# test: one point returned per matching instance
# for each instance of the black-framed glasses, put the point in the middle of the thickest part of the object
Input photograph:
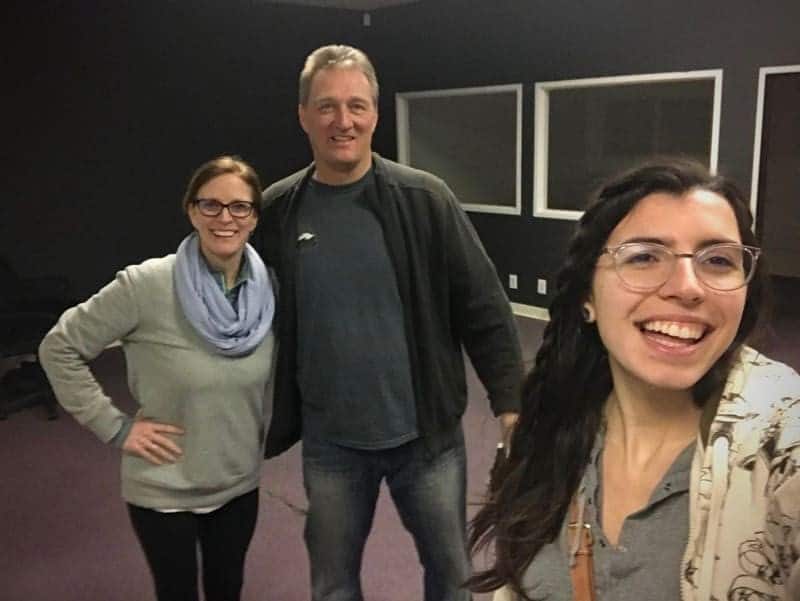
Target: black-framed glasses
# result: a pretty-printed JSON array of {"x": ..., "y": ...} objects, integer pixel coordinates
[
  {"x": 646, "y": 266},
  {"x": 211, "y": 207}
]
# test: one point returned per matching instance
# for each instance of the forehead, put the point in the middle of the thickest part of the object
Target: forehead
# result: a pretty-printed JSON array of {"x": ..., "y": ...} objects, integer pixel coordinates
[
  {"x": 340, "y": 83},
  {"x": 225, "y": 185},
  {"x": 688, "y": 219}
]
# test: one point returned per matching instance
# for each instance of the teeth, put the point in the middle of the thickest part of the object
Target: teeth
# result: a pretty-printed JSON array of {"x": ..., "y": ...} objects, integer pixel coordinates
[
  {"x": 676, "y": 330},
  {"x": 224, "y": 233}
]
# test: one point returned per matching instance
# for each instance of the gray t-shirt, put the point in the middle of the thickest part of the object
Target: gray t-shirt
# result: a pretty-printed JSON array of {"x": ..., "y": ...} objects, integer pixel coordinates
[
  {"x": 646, "y": 563},
  {"x": 354, "y": 372}
]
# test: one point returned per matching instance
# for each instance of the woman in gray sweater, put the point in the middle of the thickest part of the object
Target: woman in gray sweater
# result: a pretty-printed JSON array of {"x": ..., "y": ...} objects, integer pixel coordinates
[{"x": 196, "y": 329}]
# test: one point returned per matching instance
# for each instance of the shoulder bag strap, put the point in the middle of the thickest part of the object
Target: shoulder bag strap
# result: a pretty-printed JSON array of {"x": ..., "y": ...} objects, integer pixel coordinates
[{"x": 582, "y": 570}]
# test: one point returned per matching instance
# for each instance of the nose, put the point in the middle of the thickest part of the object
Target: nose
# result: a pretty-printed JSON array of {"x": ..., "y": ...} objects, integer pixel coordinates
[
  {"x": 342, "y": 118},
  {"x": 225, "y": 215},
  {"x": 683, "y": 284}
]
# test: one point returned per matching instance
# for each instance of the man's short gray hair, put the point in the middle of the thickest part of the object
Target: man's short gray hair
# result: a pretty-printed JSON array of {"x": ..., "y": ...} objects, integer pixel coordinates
[{"x": 336, "y": 56}]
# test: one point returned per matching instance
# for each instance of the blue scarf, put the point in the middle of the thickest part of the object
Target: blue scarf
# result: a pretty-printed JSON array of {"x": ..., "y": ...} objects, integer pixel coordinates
[{"x": 233, "y": 332}]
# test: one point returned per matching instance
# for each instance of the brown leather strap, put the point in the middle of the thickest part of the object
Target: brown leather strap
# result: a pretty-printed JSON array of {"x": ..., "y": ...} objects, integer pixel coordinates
[{"x": 582, "y": 572}]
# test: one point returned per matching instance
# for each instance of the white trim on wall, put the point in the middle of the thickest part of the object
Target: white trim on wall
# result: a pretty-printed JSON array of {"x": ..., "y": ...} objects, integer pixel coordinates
[
  {"x": 403, "y": 142},
  {"x": 763, "y": 72},
  {"x": 531, "y": 311},
  {"x": 542, "y": 125}
]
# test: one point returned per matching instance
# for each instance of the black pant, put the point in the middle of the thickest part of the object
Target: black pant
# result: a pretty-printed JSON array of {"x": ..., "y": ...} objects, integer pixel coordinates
[{"x": 170, "y": 544}]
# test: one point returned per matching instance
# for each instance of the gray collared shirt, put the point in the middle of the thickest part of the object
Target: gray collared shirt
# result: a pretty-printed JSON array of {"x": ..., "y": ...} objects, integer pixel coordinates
[{"x": 646, "y": 562}]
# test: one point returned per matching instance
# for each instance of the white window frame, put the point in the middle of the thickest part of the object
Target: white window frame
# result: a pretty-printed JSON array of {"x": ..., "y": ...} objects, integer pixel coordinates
[
  {"x": 542, "y": 126},
  {"x": 758, "y": 135},
  {"x": 404, "y": 144}
]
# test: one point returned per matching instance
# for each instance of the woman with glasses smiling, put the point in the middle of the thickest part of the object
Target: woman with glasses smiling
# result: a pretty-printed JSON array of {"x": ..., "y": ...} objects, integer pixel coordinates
[
  {"x": 196, "y": 329},
  {"x": 656, "y": 456}
]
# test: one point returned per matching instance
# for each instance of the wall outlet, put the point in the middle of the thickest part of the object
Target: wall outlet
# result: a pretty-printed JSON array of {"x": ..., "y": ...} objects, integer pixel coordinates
[
  {"x": 512, "y": 281},
  {"x": 541, "y": 286}
]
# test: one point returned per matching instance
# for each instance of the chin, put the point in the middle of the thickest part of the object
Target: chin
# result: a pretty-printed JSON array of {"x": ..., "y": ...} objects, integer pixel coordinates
[
  {"x": 676, "y": 378},
  {"x": 674, "y": 384},
  {"x": 659, "y": 376},
  {"x": 225, "y": 250},
  {"x": 344, "y": 165}
]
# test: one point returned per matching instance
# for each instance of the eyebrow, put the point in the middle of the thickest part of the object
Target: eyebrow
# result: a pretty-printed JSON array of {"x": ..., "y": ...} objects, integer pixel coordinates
[
  {"x": 336, "y": 100},
  {"x": 669, "y": 242},
  {"x": 199, "y": 198}
]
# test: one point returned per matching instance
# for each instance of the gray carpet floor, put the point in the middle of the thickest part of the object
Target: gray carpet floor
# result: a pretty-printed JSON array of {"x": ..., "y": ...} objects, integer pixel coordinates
[
  {"x": 65, "y": 535},
  {"x": 64, "y": 532}
]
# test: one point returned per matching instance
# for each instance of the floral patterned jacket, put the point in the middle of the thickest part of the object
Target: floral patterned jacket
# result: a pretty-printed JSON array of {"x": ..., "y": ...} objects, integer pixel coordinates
[{"x": 744, "y": 530}]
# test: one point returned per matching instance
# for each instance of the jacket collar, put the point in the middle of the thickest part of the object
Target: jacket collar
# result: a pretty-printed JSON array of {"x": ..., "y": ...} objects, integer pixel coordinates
[{"x": 378, "y": 165}]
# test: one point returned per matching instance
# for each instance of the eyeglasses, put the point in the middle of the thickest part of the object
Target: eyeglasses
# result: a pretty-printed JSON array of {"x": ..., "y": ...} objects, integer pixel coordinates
[
  {"x": 646, "y": 266},
  {"x": 211, "y": 207}
]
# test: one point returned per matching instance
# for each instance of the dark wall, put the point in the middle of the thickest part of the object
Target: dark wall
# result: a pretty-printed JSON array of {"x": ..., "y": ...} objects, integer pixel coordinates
[
  {"x": 110, "y": 106},
  {"x": 482, "y": 43}
]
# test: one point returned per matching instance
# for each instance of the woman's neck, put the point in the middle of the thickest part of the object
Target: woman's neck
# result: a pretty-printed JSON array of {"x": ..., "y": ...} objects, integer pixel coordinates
[
  {"x": 228, "y": 266},
  {"x": 644, "y": 435},
  {"x": 644, "y": 422}
]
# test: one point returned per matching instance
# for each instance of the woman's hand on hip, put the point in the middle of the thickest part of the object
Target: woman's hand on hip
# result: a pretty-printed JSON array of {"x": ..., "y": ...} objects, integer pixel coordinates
[{"x": 151, "y": 441}]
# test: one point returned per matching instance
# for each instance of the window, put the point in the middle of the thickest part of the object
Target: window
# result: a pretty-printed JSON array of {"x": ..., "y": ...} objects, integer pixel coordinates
[
  {"x": 471, "y": 138},
  {"x": 764, "y": 73},
  {"x": 589, "y": 129}
]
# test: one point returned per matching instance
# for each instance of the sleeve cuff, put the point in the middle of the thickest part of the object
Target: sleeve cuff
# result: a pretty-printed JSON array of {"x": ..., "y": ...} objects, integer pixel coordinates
[{"x": 121, "y": 436}]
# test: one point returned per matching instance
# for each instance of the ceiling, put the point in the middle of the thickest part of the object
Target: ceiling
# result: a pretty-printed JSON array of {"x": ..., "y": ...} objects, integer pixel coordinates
[{"x": 366, "y": 5}]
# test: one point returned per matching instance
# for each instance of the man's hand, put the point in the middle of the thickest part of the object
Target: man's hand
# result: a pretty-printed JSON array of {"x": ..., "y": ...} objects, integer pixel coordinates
[
  {"x": 507, "y": 422},
  {"x": 149, "y": 440}
]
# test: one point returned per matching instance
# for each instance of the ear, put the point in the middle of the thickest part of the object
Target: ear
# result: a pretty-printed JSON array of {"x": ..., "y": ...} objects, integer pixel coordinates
[
  {"x": 253, "y": 219},
  {"x": 589, "y": 314},
  {"x": 301, "y": 115},
  {"x": 193, "y": 215}
]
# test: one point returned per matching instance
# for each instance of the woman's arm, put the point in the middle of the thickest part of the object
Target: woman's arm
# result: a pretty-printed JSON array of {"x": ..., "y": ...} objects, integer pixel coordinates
[{"x": 80, "y": 335}]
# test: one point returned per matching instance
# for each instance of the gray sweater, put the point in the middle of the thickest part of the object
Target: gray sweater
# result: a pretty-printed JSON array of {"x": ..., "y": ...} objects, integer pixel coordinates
[{"x": 176, "y": 378}]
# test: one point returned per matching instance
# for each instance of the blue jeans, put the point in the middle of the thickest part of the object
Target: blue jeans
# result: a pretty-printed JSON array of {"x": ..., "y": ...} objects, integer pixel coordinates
[{"x": 342, "y": 486}]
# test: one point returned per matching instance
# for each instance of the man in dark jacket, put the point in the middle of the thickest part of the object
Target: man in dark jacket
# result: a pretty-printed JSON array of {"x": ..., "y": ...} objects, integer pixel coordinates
[{"x": 382, "y": 281}]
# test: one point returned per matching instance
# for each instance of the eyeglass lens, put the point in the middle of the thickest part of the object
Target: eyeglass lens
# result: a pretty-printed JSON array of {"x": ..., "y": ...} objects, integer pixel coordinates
[
  {"x": 211, "y": 207},
  {"x": 719, "y": 266}
]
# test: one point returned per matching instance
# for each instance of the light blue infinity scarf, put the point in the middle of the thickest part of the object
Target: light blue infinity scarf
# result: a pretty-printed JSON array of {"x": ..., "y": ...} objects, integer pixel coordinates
[{"x": 232, "y": 332}]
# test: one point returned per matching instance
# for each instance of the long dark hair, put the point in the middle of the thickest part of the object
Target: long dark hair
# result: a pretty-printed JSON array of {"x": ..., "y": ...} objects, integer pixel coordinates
[{"x": 564, "y": 393}]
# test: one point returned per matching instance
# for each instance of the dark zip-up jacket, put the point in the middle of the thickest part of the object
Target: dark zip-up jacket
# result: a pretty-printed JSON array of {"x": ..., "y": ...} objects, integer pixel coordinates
[{"x": 449, "y": 290}]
